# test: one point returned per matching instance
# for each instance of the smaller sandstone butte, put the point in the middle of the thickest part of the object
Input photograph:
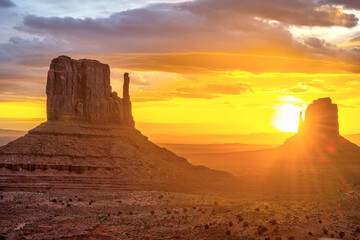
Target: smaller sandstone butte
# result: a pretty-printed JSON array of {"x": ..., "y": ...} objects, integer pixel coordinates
[
  {"x": 80, "y": 90},
  {"x": 321, "y": 118},
  {"x": 318, "y": 135}
]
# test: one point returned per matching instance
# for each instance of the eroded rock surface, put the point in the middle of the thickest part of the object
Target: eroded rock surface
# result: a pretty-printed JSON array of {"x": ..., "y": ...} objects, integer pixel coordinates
[{"x": 80, "y": 90}]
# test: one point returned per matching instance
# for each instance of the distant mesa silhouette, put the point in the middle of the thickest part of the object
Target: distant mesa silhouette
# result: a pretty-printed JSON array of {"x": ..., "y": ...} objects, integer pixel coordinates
[
  {"x": 90, "y": 141},
  {"x": 321, "y": 119},
  {"x": 318, "y": 135}
]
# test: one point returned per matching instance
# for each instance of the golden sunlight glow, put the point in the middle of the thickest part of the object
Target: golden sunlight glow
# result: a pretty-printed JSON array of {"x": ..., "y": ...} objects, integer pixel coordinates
[
  {"x": 31, "y": 109},
  {"x": 286, "y": 119}
]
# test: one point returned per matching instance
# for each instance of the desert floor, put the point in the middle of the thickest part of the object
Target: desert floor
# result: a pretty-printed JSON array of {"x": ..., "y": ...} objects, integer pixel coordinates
[{"x": 170, "y": 215}]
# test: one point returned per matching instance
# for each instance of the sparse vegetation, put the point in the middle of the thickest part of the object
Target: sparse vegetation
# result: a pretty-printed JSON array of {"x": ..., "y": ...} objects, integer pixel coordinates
[
  {"x": 273, "y": 222},
  {"x": 261, "y": 229}
]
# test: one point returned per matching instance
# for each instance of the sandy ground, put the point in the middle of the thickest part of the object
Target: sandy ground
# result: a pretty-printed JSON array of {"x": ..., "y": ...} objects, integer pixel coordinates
[{"x": 169, "y": 215}]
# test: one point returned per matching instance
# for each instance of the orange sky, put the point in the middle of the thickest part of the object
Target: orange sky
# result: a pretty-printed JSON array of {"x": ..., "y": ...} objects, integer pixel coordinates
[{"x": 196, "y": 67}]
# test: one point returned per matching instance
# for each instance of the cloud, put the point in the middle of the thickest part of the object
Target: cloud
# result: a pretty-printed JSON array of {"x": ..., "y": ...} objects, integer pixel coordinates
[
  {"x": 285, "y": 11},
  {"x": 207, "y": 63},
  {"x": 196, "y": 26},
  {"x": 210, "y": 91},
  {"x": 355, "y": 39},
  {"x": 305, "y": 87},
  {"x": 7, "y": 4},
  {"x": 256, "y": 28},
  {"x": 156, "y": 30},
  {"x": 351, "y": 4},
  {"x": 34, "y": 52},
  {"x": 194, "y": 89},
  {"x": 353, "y": 83}
]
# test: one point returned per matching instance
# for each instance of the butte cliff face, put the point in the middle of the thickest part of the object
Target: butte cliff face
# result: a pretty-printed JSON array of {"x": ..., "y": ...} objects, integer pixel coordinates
[
  {"x": 80, "y": 90},
  {"x": 90, "y": 142}
]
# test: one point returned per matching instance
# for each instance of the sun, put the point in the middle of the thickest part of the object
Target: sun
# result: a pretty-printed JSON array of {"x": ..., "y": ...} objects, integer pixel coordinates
[{"x": 286, "y": 118}]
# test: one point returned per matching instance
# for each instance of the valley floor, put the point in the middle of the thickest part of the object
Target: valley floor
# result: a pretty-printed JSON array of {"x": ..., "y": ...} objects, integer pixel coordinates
[{"x": 169, "y": 215}]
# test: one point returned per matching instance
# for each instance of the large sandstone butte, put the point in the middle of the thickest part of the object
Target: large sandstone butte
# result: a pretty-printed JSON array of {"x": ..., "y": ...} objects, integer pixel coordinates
[
  {"x": 80, "y": 90},
  {"x": 90, "y": 142}
]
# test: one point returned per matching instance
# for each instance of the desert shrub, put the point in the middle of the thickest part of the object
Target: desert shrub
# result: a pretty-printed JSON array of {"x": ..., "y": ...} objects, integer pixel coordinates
[
  {"x": 261, "y": 229},
  {"x": 273, "y": 222}
]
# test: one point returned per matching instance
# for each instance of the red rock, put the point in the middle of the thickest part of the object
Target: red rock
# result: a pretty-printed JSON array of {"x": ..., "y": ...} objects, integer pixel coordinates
[{"x": 80, "y": 90}]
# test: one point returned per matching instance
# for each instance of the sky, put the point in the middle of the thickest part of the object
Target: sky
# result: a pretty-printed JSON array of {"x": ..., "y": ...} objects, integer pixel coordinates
[{"x": 196, "y": 67}]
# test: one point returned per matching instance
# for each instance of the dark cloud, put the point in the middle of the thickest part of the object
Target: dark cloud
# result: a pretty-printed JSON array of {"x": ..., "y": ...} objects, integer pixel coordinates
[
  {"x": 33, "y": 52},
  {"x": 254, "y": 27},
  {"x": 201, "y": 25},
  {"x": 157, "y": 30},
  {"x": 294, "y": 12},
  {"x": 6, "y": 4}
]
